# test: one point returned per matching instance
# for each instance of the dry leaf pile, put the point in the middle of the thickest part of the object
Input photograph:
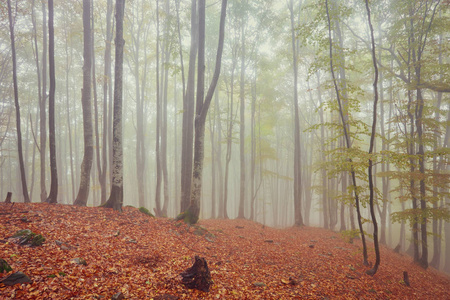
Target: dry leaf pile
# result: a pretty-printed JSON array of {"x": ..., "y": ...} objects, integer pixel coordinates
[{"x": 95, "y": 253}]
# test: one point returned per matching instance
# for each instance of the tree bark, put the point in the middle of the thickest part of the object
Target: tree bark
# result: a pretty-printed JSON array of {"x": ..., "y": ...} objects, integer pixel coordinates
[
  {"x": 26, "y": 197},
  {"x": 203, "y": 106},
  {"x": 188, "y": 116},
  {"x": 241, "y": 212},
  {"x": 298, "y": 220},
  {"x": 115, "y": 200},
  {"x": 43, "y": 106},
  {"x": 83, "y": 192},
  {"x": 106, "y": 90},
  {"x": 347, "y": 140},
  {"x": 371, "y": 146},
  {"x": 53, "y": 196}
]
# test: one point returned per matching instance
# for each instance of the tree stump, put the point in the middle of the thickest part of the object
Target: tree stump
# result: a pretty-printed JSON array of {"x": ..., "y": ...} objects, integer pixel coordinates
[
  {"x": 198, "y": 276},
  {"x": 8, "y": 197},
  {"x": 406, "y": 278}
]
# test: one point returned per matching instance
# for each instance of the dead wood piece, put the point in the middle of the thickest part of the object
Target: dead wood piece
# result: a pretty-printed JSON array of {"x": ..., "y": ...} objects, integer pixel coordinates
[
  {"x": 406, "y": 278},
  {"x": 198, "y": 276},
  {"x": 118, "y": 296},
  {"x": 15, "y": 278},
  {"x": 4, "y": 266},
  {"x": 8, "y": 197}
]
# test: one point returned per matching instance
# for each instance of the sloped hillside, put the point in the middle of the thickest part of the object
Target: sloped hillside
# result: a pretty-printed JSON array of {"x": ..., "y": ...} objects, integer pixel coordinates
[{"x": 96, "y": 253}]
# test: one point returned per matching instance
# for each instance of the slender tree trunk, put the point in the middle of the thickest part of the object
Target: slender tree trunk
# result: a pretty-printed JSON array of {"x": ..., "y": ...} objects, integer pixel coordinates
[
  {"x": 213, "y": 164},
  {"x": 297, "y": 151},
  {"x": 158, "y": 211},
  {"x": 437, "y": 228},
  {"x": 218, "y": 156},
  {"x": 106, "y": 90},
  {"x": 38, "y": 73},
  {"x": 371, "y": 146},
  {"x": 83, "y": 192},
  {"x": 115, "y": 200},
  {"x": 98, "y": 146},
  {"x": 26, "y": 197},
  {"x": 53, "y": 196},
  {"x": 347, "y": 139},
  {"x": 68, "y": 119},
  {"x": 43, "y": 105},
  {"x": 253, "y": 152},
  {"x": 203, "y": 106},
  {"x": 188, "y": 116},
  {"x": 164, "y": 170},
  {"x": 241, "y": 213}
]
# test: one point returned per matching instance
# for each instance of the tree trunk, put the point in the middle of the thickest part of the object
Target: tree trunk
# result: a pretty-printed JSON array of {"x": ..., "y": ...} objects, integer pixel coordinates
[
  {"x": 347, "y": 139},
  {"x": 53, "y": 196},
  {"x": 297, "y": 151},
  {"x": 83, "y": 192},
  {"x": 253, "y": 152},
  {"x": 166, "y": 47},
  {"x": 26, "y": 197},
  {"x": 98, "y": 146},
  {"x": 188, "y": 116},
  {"x": 106, "y": 90},
  {"x": 241, "y": 213},
  {"x": 371, "y": 146},
  {"x": 158, "y": 210},
  {"x": 115, "y": 200},
  {"x": 38, "y": 73},
  {"x": 203, "y": 106},
  {"x": 43, "y": 105}
]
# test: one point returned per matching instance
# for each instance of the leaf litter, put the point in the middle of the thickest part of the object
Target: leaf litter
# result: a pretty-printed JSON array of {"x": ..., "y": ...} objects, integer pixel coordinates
[{"x": 142, "y": 258}]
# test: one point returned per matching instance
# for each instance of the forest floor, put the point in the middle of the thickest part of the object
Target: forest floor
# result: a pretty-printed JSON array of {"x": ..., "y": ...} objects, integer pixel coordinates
[{"x": 142, "y": 258}]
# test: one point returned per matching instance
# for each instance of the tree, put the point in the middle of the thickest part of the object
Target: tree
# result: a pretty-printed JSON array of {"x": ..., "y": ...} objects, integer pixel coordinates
[
  {"x": 86, "y": 165},
  {"x": 188, "y": 116},
  {"x": 297, "y": 152},
  {"x": 202, "y": 107},
  {"x": 53, "y": 195},
  {"x": 42, "y": 106},
  {"x": 158, "y": 210},
  {"x": 372, "y": 141},
  {"x": 107, "y": 90},
  {"x": 115, "y": 200},
  {"x": 347, "y": 138},
  {"x": 241, "y": 213},
  {"x": 16, "y": 102}
]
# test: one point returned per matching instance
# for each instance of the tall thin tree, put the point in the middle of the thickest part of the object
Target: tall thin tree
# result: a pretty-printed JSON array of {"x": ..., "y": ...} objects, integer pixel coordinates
[
  {"x": 53, "y": 196},
  {"x": 26, "y": 197},
  {"x": 203, "y": 106},
  {"x": 43, "y": 105},
  {"x": 371, "y": 146},
  {"x": 115, "y": 200},
  {"x": 187, "y": 136},
  {"x": 346, "y": 136},
  {"x": 86, "y": 165},
  {"x": 297, "y": 150}
]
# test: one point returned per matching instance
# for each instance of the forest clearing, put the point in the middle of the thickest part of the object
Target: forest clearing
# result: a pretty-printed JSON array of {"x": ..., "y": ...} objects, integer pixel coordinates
[{"x": 142, "y": 258}]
